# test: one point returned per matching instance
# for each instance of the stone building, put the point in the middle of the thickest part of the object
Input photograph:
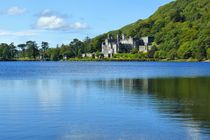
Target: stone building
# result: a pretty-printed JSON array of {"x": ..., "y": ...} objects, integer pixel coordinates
[
  {"x": 113, "y": 46},
  {"x": 89, "y": 55},
  {"x": 146, "y": 44},
  {"x": 110, "y": 47}
]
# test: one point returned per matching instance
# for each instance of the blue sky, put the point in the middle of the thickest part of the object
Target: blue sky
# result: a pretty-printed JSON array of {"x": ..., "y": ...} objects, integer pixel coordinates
[{"x": 59, "y": 21}]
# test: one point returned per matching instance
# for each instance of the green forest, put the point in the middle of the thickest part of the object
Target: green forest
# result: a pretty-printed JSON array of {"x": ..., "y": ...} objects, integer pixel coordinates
[{"x": 181, "y": 30}]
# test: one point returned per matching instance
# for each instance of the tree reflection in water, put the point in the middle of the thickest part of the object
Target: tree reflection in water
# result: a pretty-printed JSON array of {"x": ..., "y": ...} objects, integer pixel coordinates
[{"x": 182, "y": 99}]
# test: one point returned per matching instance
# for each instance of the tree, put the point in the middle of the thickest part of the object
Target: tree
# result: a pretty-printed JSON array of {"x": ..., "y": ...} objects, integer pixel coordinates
[
  {"x": 76, "y": 46},
  {"x": 175, "y": 15},
  {"x": 172, "y": 54},
  {"x": 7, "y": 52},
  {"x": 161, "y": 54},
  {"x": 200, "y": 53},
  {"x": 32, "y": 49},
  {"x": 54, "y": 54},
  {"x": 134, "y": 51},
  {"x": 185, "y": 51},
  {"x": 208, "y": 53},
  {"x": 87, "y": 45},
  {"x": 13, "y": 51},
  {"x": 151, "y": 52},
  {"x": 43, "y": 51},
  {"x": 66, "y": 51},
  {"x": 22, "y": 48}
]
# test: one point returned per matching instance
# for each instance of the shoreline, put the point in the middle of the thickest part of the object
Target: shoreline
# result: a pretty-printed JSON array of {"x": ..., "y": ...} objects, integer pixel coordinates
[{"x": 109, "y": 60}]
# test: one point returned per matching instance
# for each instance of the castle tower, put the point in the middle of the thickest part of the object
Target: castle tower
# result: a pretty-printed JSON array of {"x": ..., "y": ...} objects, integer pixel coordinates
[
  {"x": 118, "y": 39},
  {"x": 108, "y": 36},
  {"x": 123, "y": 37},
  {"x": 118, "y": 42}
]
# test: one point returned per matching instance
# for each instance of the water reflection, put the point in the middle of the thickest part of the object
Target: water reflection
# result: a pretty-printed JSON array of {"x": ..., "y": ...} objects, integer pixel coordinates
[
  {"x": 106, "y": 109},
  {"x": 191, "y": 95},
  {"x": 48, "y": 94},
  {"x": 182, "y": 99}
]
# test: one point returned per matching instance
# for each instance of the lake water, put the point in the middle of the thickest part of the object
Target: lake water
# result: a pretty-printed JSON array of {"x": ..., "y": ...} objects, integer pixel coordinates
[{"x": 104, "y": 100}]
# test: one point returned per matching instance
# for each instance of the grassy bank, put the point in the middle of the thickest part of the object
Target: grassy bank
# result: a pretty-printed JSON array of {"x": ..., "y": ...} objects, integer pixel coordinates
[
  {"x": 142, "y": 60},
  {"x": 115, "y": 59}
]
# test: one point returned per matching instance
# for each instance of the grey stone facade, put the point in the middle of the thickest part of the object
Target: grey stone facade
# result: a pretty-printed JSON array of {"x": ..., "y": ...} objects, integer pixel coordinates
[
  {"x": 110, "y": 47},
  {"x": 113, "y": 46}
]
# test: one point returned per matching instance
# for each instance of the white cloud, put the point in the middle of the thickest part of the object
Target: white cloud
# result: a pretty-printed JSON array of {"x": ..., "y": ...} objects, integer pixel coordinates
[
  {"x": 79, "y": 26},
  {"x": 15, "y": 10},
  {"x": 54, "y": 22},
  {"x": 49, "y": 20},
  {"x": 18, "y": 33}
]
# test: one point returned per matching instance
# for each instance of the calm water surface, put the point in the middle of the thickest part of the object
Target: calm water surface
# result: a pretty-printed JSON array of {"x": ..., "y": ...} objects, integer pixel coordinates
[{"x": 104, "y": 100}]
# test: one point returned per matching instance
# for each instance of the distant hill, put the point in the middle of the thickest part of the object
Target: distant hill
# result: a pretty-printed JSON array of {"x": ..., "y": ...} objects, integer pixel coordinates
[{"x": 181, "y": 30}]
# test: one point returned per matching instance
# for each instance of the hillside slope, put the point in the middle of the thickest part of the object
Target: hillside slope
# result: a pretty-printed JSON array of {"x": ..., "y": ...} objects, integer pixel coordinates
[{"x": 181, "y": 30}]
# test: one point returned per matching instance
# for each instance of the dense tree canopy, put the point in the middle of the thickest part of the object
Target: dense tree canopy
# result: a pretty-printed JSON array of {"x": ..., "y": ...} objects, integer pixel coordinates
[
  {"x": 31, "y": 51},
  {"x": 181, "y": 29},
  {"x": 7, "y": 52}
]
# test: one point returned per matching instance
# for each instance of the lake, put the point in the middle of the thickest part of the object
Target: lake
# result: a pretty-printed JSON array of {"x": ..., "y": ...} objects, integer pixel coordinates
[{"x": 104, "y": 100}]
